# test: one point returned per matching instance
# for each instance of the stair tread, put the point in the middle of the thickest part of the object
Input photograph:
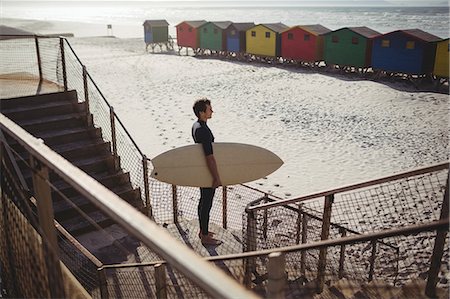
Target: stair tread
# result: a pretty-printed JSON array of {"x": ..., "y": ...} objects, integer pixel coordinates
[
  {"x": 52, "y": 118},
  {"x": 25, "y": 107},
  {"x": 80, "y": 200},
  {"x": 63, "y": 147}
]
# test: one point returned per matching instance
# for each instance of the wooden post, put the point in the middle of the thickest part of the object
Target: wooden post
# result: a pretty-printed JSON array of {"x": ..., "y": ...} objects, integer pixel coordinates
[
  {"x": 38, "y": 54},
  {"x": 42, "y": 193},
  {"x": 224, "y": 207},
  {"x": 103, "y": 282},
  {"x": 113, "y": 130},
  {"x": 265, "y": 221},
  {"x": 160, "y": 280},
  {"x": 299, "y": 224},
  {"x": 304, "y": 239},
  {"x": 341, "y": 272},
  {"x": 276, "y": 271},
  {"x": 63, "y": 62},
  {"x": 175, "y": 203},
  {"x": 438, "y": 250},
  {"x": 372, "y": 260},
  {"x": 148, "y": 205},
  {"x": 86, "y": 96},
  {"x": 326, "y": 221},
  {"x": 250, "y": 263}
]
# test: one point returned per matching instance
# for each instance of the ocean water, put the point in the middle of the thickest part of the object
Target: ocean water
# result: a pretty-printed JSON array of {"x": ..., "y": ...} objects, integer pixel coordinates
[{"x": 126, "y": 17}]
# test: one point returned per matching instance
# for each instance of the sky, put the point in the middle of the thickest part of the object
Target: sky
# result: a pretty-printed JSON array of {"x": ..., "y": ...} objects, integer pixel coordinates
[{"x": 299, "y": 2}]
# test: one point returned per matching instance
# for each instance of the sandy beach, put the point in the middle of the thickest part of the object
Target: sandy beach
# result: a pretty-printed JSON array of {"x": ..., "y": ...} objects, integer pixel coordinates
[{"x": 330, "y": 129}]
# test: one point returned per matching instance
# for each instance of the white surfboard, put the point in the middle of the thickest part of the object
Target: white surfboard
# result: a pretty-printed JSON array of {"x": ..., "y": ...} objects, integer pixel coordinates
[{"x": 237, "y": 163}]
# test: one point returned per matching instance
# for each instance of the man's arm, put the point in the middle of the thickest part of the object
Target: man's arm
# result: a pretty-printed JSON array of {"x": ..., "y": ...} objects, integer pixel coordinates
[{"x": 212, "y": 166}]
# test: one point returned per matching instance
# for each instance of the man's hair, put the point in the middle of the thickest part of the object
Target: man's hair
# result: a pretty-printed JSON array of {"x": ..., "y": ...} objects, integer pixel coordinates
[{"x": 200, "y": 106}]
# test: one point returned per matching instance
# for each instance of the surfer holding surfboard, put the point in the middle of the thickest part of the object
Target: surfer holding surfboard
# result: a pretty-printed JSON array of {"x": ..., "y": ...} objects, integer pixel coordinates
[{"x": 203, "y": 135}]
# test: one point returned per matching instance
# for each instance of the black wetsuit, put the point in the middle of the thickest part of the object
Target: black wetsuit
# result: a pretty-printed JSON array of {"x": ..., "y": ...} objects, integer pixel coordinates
[{"x": 202, "y": 134}]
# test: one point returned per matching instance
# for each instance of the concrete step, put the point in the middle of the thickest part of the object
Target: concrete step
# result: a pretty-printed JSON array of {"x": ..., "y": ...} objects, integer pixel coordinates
[{"x": 343, "y": 289}]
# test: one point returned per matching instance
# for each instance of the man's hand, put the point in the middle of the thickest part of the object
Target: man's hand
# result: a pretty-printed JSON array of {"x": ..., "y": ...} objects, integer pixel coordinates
[{"x": 211, "y": 162}]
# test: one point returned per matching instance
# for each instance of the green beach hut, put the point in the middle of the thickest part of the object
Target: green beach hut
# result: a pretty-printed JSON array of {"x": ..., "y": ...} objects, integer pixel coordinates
[
  {"x": 350, "y": 46},
  {"x": 213, "y": 36}
]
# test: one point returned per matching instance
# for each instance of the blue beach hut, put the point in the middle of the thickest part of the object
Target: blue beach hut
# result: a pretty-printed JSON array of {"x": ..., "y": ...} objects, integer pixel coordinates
[
  {"x": 404, "y": 51},
  {"x": 235, "y": 35}
]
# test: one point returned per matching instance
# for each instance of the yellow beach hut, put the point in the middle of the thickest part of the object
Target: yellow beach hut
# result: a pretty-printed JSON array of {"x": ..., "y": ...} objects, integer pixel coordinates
[
  {"x": 265, "y": 39},
  {"x": 441, "y": 59}
]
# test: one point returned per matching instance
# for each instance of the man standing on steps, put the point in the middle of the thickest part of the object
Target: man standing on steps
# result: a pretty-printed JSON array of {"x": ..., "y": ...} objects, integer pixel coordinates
[{"x": 202, "y": 134}]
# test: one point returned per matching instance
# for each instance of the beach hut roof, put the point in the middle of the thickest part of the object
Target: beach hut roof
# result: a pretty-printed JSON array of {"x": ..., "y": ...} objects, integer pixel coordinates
[
  {"x": 364, "y": 31},
  {"x": 243, "y": 26},
  {"x": 156, "y": 23},
  {"x": 194, "y": 24},
  {"x": 13, "y": 32},
  {"x": 420, "y": 34},
  {"x": 277, "y": 27},
  {"x": 316, "y": 29},
  {"x": 222, "y": 24}
]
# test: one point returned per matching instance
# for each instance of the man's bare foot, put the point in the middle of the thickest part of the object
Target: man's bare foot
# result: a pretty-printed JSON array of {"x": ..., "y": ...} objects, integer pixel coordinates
[
  {"x": 211, "y": 234},
  {"x": 208, "y": 240}
]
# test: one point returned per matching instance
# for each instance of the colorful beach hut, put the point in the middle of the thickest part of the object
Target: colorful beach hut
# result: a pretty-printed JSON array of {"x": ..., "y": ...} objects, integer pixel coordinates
[
  {"x": 236, "y": 36},
  {"x": 303, "y": 43},
  {"x": 441, "y": 59},
  {"x": 187, "y": 34},
  {"x": 213, "y": 36},
  {"x": 265, "y": 39},
  {"x": 156, "y": 31},
  {"x": 349, "y": 46},
  {"x": 405, "y": 51}
]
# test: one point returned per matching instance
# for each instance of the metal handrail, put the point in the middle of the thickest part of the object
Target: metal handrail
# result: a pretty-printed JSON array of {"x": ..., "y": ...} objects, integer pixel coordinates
[
  {"x": 212, "y": 280},
  {"x": 419, "y": 171}
]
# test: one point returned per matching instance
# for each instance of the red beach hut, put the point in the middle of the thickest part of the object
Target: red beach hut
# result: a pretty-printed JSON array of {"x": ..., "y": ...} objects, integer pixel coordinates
[
  {"x": 188, "y": 35},
  {"x": 303, "y": 43}
]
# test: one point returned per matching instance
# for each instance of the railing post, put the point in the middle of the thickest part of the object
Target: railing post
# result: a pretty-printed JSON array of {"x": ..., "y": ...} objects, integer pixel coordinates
[
  {"x": 113, "y": 130},
  {"x": 438, "y": 249},
  {"x": 265, "y": 221},
  {"x": 224, "y": 207},
  {"x": 372, "y": 260},
  {"x": 304, "y": 239},
  {"x": 42, "y": 193},
  {"x": 160, "y": 281},
  {"x": 148, "y": 205},
  {"x": 299, "y": 224},
  {"x": 38, "y": 54},
  {"x": 103, "y": 283},
  {"x": 63, "y": 62},
  {"x": 341, "y": 272},
  {"x": 250, "y": 263},
  {"x": 175, "y": 203},
  {"x": 321, "y": 267},
  {"x": 86, "y": 96},
  {"x": 276, "y": 272}
]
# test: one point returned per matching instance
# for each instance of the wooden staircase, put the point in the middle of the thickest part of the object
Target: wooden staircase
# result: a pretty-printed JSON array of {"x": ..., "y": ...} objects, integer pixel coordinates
[{"x": 65, "y": 126}]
